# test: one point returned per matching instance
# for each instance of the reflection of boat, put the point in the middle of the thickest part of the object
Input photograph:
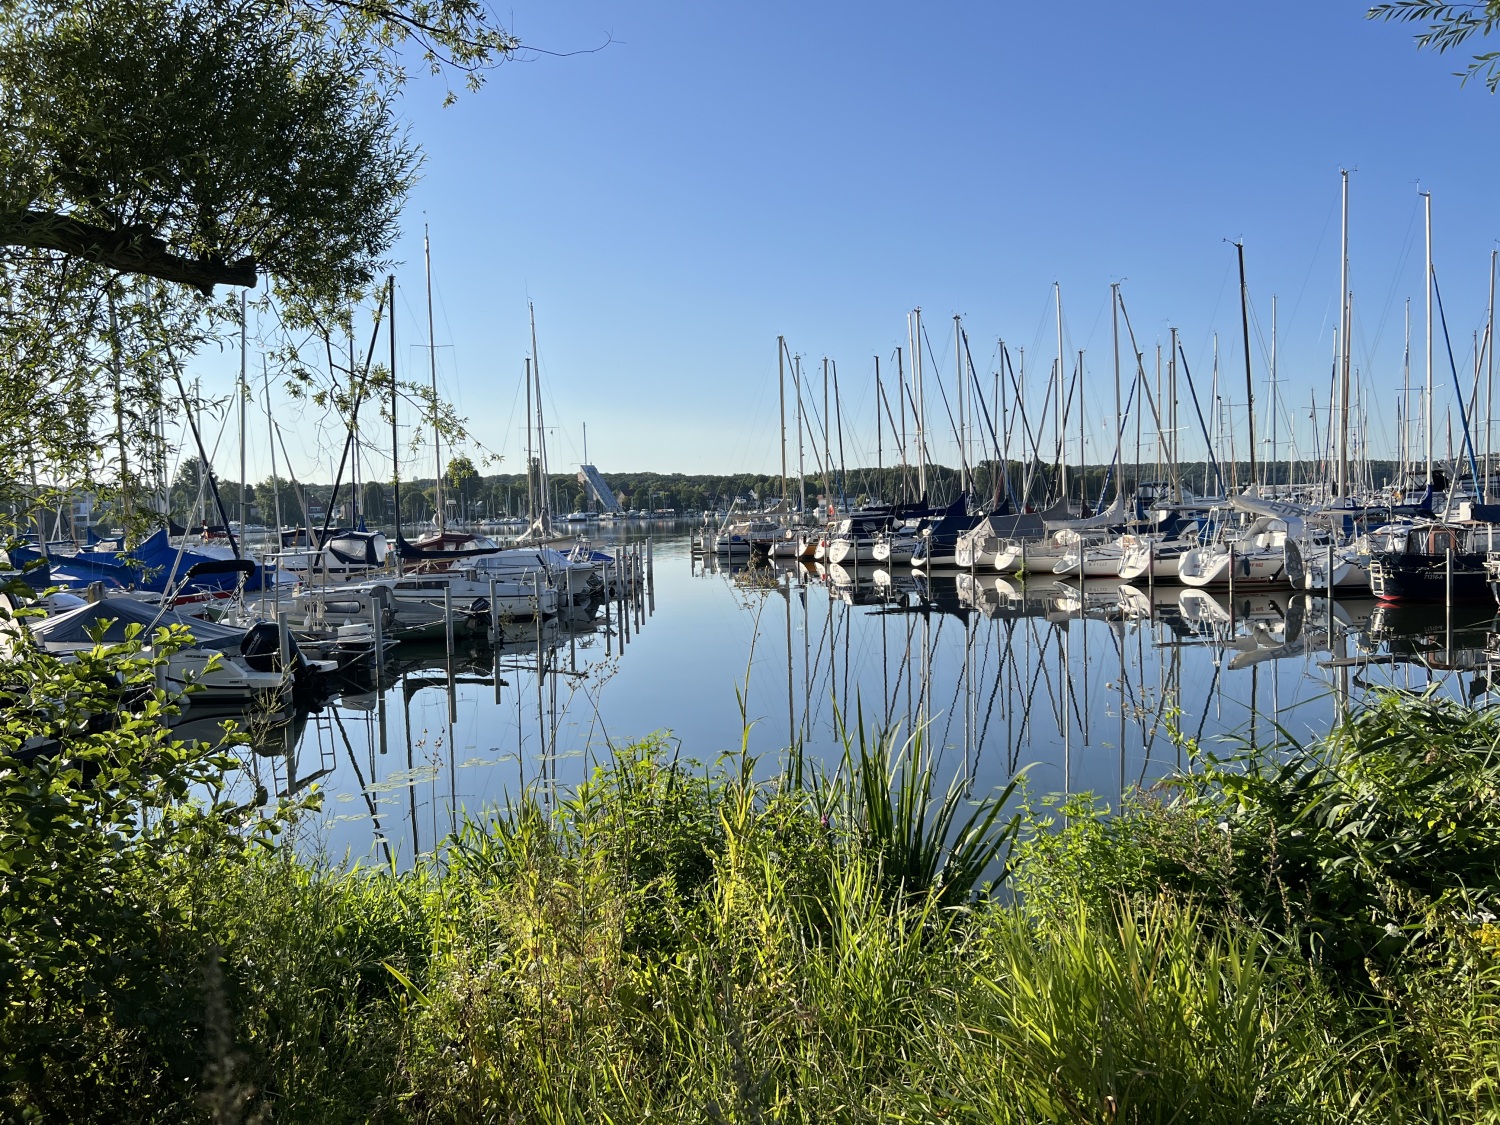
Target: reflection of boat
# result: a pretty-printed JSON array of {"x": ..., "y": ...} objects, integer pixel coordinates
[
  {"x": 1430, "y": 636},
  {"x": 1099, "y": 600},
  {"x": 1263, "y": 615},
  {"x": 854, "y": 588},
  {"x": 998, "y": 599}
]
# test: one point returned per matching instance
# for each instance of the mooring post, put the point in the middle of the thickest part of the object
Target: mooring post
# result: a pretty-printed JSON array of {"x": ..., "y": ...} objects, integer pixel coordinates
[
  {"x": 1232, "y": 562},
  {"x": 651, "y": 576},
  {"x": 495, "y": 614},
  {"x": 448, "y": 617},
  {"x": 1448, "y": 600}
]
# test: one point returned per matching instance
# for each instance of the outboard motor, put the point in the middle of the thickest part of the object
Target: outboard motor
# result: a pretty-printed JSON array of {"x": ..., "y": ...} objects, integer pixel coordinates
[{"x": 261, "y": 647}]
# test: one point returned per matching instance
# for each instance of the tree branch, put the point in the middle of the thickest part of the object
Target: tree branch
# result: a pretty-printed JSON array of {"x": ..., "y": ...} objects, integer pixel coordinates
[{"x": 132, "y": 249}]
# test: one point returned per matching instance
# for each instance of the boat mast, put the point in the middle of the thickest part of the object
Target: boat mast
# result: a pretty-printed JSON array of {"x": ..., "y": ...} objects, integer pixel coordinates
[
  {"x": 545, "y": 517},
  {"x": 1427, "y": 206},
  {"x": 1172, "y": 387},
  {"x": 801, "y": 449},
  {"x": 530, "y": 465},
  {"x": 958, "y": 372},
  {"x": 914, "y": 342},
  {"x": 390, "y": 282},
  {"x": 838, "y": 415},
  {"x": 1489, "y": 390},
  {"x": 1114, "y": 316},
  {"x": 781, "y": 386},
  {"x": 244, "y": 404},
  {"x": 265, "y": 376},
  {"x": 1405, "y": 431},
  {"x": 901, "y": 406},
  {"x": 827, "y": 445},
  {"x": 1057, "y": 411},
  {"x": 1271, "y": 472},
  {"x": 1245, "y": 330},
  {"x": 437, "y": 448},
  {"x": 879, "y": 453},
  {"x": 1345, "y": 317}
]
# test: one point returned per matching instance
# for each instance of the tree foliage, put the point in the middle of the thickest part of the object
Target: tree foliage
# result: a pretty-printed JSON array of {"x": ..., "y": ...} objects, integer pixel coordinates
[
  {"x": 152, "y": 151},
  {"x": 1448, "y": 27}
]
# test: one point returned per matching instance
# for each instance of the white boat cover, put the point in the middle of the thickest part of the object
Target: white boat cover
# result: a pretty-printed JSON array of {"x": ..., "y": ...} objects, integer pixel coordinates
[
  {"x": 1056, "y": 519},
  {"x": 1292, "y": 514}
]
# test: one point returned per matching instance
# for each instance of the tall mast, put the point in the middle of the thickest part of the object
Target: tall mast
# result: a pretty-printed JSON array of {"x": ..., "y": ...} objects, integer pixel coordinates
[
  {"x": 1245, "y": 331},
  {"x": 531, "y": 512},
  {"x": 801, "y": 469},
  {"x": 1345, "y": 316},
  {"x": 265, "y": 376},
  {"x": 437, "y": 449},
  {"x": 1271, "y": 468},
  {"x": 545, "y": 514},
  {"x": 1083, "y": 475},
  {"x": 838, "y": 415},
  {"x": 1405, "y": 434},
  {"x": 1114, "y": 317},
  {"x": 1489, "y": 381},
  {"x": 958, "y": 371},
  {"x": 1057, "y": 411},
  {"x": 395, "y": 438},
  {"x": 914, "y": 330},
  {"x": 244, "y": 400},
  {"x": 827, "y": 444},
  {"x": 781, "y": 387},
  {"x": 1427, "y": 280},
  {"x": 879, "y": 453},
  {"x": 1172, "y": 381}
]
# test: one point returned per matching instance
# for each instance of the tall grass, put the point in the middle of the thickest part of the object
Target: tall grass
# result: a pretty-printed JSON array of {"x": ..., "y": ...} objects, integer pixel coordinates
[{"x": 675, "y": 942}]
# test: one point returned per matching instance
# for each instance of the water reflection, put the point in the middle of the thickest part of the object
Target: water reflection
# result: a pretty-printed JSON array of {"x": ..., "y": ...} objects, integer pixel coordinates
[{"x": 1094, "y": 686}]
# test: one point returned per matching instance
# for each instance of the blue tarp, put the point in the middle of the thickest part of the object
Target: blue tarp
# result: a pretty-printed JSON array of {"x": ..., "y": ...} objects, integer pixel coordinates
[{"x": 154, "y": 564}]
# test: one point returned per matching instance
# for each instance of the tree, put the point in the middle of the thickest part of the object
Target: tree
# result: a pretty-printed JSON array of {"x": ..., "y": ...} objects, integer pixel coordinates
[
  {"x": 201, "y": 142},
  {"x": 1450, "y": 26},
  {"x": 459, "y": 477},
  {"x": 152, "y": 151}
]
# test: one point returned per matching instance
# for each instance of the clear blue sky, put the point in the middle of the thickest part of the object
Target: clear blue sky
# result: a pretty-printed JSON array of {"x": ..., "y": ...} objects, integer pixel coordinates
[{"x": 721, "y": 174}]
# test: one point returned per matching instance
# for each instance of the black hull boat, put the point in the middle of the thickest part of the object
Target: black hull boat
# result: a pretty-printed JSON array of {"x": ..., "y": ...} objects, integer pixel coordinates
[{"x": 1418, "y": 569}]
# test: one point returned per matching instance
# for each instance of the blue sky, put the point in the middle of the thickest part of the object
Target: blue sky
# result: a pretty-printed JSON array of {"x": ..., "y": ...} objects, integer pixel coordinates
[{"x": 719, "y": 175}]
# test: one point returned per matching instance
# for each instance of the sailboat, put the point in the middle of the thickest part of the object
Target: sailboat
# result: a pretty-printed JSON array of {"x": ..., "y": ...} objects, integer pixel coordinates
[{"x": 439, "y": 548}]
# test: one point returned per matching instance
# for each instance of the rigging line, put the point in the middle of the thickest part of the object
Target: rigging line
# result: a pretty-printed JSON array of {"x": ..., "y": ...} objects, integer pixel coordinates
[
  {"x": 1198, "y": 410},
  {"x": 963, "y": 460},
  {"x": 364, "y": 792},
  {"x": 1333, "y": 209},
  {"x": 1034, "y": 467},
  {"x": 1219, "y": 300},
  {"x": 989, "y": 709},
  {"x": 1458, "y": 390},
  {"x": 958, "y": 686},
  {"x": 984, "y": 407},
  {"x": 1041, "y": 671}
]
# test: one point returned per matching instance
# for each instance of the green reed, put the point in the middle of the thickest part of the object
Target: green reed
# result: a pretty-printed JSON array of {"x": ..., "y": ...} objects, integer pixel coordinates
[{"x": 674, "y": 941}]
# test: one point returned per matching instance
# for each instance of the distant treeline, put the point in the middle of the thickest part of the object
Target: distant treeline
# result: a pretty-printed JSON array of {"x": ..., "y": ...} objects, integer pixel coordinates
[{"x": 499, "y": 495}]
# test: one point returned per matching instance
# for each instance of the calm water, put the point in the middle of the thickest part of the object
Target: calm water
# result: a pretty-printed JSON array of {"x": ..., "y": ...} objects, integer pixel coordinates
[{"x": 1081, "y": 685}]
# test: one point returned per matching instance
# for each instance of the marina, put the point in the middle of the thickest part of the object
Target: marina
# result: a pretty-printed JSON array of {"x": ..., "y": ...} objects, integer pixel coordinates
[{"x": 1089, "y": 687}]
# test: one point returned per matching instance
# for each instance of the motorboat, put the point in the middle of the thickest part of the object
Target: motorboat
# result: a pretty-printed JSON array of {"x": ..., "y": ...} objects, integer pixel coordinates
[
  {"x": 221, "y": 664},
  {"x": 1434, "y": 561}
]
